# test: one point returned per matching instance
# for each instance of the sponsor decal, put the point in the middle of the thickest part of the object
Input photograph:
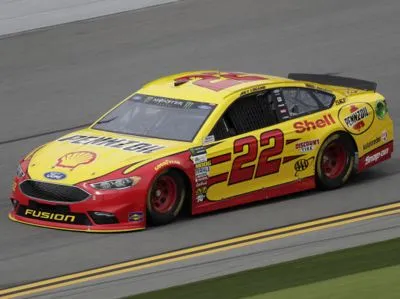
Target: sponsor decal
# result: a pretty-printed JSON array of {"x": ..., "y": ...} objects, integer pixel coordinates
[
  {"x": 49, "y": 216},
  {"x": 302, "y": 165},
  {"x": 203, "y": 164},
  {"x": 55, "y": 175},
  {"x": 167, "y": 163},
  {"x": 75, "y": 159},
  {"x": 201, "y": 194},
  {"x": 372, "y": 143},
  {"x": 307, "y": 146},
  {"x": 199, "y": 158},
  {"x": 171, "y": 103},
  {"x": 201, "y": 182},
  {"x": 198, "y": 150},
  {"x": 209, "y": 139},
  {"x": 135, "y": 216},
  {"x": 308, "y": 125},
  {"x": 340, "y": 101},
  {"x": 384, "y": 135},
  {"x": 120, "y": 143},
  {"x": 356, "y": 118},
  {"x": 202, "y": 172},
  {"x": 374, "y": 158}
]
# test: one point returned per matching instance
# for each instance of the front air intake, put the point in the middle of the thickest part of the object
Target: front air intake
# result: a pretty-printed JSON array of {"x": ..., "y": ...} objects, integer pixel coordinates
[{"x": 53, "y": 192}]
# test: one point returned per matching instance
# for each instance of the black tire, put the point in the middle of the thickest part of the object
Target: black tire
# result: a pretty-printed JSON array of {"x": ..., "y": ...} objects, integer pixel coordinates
[
  {"x": 334, "y": 172},
  {"x": 162, "y": 212}
]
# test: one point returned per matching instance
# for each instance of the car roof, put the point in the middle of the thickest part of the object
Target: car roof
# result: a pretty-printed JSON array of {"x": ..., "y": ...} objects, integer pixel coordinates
[{"x": 186, "y": 85}]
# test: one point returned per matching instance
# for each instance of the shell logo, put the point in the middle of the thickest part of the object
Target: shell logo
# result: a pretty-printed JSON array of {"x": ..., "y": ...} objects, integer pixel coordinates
[
  {"x": 357, "y": 117},
  {"x": 75, "y": 159}
]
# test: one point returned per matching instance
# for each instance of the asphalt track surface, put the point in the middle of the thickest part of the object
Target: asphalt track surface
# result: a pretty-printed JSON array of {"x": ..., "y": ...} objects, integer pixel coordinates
[{"x": 56, "y": 79}]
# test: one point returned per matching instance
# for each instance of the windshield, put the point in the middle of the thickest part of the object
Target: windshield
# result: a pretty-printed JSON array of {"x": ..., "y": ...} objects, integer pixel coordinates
[{"x": 157, "y": 117}]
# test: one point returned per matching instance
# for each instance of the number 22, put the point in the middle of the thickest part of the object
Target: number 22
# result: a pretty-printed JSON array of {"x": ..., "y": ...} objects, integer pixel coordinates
[{"x": 240, "y": 173}]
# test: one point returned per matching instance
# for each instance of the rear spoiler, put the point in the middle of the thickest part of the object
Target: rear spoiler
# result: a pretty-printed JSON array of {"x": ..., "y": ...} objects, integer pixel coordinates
[{"x": 334, "y": 80}]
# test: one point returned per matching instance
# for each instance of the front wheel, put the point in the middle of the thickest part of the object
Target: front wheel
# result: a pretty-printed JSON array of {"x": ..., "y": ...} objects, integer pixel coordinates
[
  {"x": 335, "y": 161},
  {"x": 165, "y": 198}
]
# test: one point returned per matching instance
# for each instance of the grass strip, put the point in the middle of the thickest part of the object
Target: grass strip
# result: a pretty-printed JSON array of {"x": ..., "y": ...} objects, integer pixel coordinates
[
  {"x": 287, "y": 275},
  {"x": 379, "y": 283}
]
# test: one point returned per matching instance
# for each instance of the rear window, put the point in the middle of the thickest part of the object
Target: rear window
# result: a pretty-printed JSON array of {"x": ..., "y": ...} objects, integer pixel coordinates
[{"x": 157, "y": 117}]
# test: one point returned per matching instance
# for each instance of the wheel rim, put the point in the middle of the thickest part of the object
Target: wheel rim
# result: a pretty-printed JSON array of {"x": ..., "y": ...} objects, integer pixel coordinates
[
  {"x": 334, "y": 160},
  {"x": 163, "y": 196}
]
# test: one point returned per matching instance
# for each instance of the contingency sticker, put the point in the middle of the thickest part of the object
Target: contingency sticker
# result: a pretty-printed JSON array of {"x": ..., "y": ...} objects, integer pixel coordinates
[{"x": 201, "y": 165}]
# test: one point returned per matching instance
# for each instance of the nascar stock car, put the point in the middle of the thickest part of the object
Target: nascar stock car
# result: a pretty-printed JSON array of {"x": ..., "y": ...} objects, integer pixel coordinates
[{"x": 204, "y": 141}]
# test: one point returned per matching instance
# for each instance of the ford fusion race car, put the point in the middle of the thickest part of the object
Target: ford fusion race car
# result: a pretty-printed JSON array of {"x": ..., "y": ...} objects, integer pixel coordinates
[{"x": 204, "y": 140}]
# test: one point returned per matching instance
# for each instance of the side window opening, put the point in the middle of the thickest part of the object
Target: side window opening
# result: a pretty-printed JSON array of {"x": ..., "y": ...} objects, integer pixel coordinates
[
  {"x": 248, "y": 113},
  {"x": 302, "y": 101}
]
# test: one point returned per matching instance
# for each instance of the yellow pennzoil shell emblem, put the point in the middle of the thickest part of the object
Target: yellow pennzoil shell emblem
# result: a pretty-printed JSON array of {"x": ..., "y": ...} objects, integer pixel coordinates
[
  {"x": 357, "y": 118},
  {"x": 74, "y": 159}
]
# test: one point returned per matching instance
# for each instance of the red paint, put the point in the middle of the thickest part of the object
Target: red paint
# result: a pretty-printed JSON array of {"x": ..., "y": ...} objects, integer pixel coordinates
[
  {"x": 240, "y": 173},
  {"x": 221, "y": 159},
  {"x": 218, "y": 81},
  {"x": 264, "y": 194},
  {"x": 376, "y": 156},
  {"x": 265, "y": 166}
]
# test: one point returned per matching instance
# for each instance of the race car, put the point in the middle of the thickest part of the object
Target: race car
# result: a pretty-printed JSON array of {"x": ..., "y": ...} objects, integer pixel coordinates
[{"x": 203, "y": 141}]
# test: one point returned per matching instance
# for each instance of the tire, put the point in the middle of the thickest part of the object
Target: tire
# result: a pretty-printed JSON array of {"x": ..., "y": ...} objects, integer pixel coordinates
[
  {"x": 335, "y": 161},
  {"x": 166, "y": 197}
]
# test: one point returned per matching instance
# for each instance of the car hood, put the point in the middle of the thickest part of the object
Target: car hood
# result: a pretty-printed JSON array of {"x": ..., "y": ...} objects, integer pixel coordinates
[{"x": 88, "y": 154}]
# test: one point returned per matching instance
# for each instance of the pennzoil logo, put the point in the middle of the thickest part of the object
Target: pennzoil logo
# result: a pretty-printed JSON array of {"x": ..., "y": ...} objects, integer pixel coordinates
[
  {"x": 356, "y": 118},
  {"x": 75, "y": 159},
  {"x": 49, "y": 216}
]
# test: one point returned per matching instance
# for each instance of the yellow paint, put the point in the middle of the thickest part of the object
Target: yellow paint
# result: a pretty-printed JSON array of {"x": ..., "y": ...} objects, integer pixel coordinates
[
  {"x": 316, "y": 127},
  {"x": 205, "y": 250}
]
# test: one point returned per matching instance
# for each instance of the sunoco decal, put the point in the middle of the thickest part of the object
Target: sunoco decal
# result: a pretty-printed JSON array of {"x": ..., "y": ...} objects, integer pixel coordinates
[
  {"x": 357, "y": 117},
  {"x": 120, "y": 143}
]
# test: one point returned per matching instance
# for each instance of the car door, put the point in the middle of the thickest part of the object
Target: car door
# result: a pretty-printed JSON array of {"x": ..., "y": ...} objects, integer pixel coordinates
[{"x": 247, "y": 151}]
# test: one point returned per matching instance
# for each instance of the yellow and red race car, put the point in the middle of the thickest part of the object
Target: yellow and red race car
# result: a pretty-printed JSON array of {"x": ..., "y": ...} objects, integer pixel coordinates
[{"x": 206, "y": 140}]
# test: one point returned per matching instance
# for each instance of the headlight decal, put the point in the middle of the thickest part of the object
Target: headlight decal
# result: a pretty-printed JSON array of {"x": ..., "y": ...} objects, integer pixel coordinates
[{"x": 122, "y": 183}]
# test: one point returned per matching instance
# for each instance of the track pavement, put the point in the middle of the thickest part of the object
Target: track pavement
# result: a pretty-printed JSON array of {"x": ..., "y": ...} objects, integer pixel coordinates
[{"x": 68, "y": 75}]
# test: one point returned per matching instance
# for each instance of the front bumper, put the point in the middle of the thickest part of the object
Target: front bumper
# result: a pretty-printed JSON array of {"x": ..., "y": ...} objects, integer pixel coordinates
[{"x": 117, "y": 211}]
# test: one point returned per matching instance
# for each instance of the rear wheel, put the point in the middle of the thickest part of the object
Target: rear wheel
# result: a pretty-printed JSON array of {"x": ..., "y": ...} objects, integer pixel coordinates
[
  {"x": 335, "y": 161},
  {"x": 166, "y": 197}
]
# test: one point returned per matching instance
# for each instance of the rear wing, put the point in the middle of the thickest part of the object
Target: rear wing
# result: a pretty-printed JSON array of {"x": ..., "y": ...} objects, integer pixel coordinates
[{"x": 334, "y": 80}]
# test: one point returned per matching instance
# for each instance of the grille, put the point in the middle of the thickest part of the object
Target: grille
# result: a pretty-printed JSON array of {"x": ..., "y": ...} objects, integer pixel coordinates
[{"x": 53, "y": 192}]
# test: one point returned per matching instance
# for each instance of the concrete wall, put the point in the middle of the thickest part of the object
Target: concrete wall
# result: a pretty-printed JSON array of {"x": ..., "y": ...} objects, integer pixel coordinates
[{"x": 23, "y": 15}]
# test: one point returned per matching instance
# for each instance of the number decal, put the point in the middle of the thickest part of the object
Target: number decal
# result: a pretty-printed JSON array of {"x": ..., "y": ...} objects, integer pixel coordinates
[
  {"x": 219, "y": 81},
  {"x": 240, "y": 173},
  {"x": 248, "y": 146},
  {"x": 265, "y": 166}
]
